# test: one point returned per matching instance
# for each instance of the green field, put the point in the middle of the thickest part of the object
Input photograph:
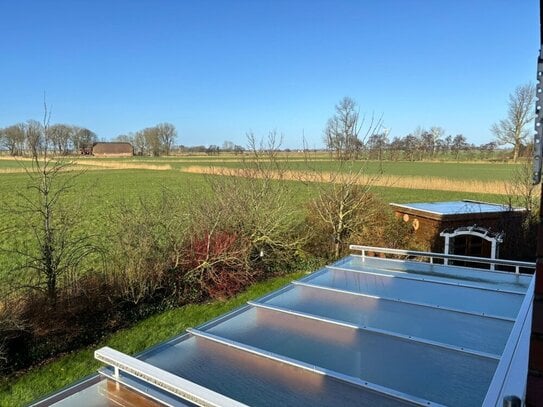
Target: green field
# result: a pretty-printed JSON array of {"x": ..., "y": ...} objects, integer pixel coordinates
[
  {"x": 98, "y": 193},
  {"x": 481, "y": 171}
]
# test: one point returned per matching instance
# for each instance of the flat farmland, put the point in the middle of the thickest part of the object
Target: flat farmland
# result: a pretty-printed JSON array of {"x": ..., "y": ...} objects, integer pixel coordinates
[
  {"x": 104, "y": 186},
  {"x": 462, "y": 170}
]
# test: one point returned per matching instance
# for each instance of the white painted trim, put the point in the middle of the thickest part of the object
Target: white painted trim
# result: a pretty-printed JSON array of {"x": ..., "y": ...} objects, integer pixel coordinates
[{"x": 164, "y": 380}]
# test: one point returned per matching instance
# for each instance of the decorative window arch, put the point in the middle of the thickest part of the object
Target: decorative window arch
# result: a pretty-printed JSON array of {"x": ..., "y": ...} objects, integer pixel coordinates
[{"x": 495, "y": 238}]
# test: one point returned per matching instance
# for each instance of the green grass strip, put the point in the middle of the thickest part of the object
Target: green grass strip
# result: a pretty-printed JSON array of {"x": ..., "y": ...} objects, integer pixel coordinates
[{"x": 44, "y": 379}]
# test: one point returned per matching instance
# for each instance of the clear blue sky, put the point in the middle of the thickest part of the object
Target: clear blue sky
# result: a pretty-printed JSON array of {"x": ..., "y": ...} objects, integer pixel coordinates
[{"x": 217, "y": 69}]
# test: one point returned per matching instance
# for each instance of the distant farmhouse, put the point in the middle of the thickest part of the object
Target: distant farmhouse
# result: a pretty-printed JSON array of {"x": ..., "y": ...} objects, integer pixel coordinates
[{"x": 103, "y": 149}]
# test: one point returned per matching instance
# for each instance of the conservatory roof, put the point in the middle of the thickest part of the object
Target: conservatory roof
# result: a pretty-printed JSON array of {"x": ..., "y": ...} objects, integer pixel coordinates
[{"x": 364, "y": 331}]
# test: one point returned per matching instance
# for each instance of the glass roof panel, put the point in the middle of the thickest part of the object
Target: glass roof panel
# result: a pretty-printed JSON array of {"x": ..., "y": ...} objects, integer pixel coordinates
[
  {"x": 411, "y": 367},
  {"x": 259, "y": 381},
  {"x": 457, "y": 275},
  {"x": 458, "y": 329},
  {"x": 448, "y": 296}
]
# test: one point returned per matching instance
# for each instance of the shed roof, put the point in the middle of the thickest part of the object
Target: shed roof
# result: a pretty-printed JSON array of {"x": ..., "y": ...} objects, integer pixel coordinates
[{"x": 456, "y": 209}]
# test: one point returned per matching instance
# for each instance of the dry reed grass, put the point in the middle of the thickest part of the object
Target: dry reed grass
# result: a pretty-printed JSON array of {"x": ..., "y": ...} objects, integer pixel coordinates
[
  {"x": 409, "y": 182},
  {"x": 113, "y": 165}
]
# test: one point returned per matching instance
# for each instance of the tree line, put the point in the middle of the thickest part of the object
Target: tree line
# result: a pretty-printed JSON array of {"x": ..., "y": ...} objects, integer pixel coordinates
[
  {"x": 154, "y": 141},
  {"x": 30, "y": 137},
  {"x": 344, "y": 138}
]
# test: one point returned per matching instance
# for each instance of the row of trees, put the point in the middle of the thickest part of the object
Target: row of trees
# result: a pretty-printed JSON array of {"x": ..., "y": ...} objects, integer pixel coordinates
[
  {"x": 30, "y": 137},
  {"x": 424, "y": 144},
  {"x": 63, "y": 139},
  {"x": 344, "y": 139},
  {"x": 155, "y": 141}
]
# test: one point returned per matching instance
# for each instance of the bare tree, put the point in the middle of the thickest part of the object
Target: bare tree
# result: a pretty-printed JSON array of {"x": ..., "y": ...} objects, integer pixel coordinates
[
  {"x": 377, "y": 143},
  {"x": 167, "y": 135},
  {"x": 459, "y": 143},
  {"x": 13, "y": 138},
  {"x": 152, "y": 138},
  {"x": 140, "y": 143},
  {"x": 55, "y": 248},
  {"x": 411, "y": 144},
  {"x": 35, "y": 137},
  {"x": 339, "y": 205},
  {"x": 512, "y": 130},
  {"x": 342, "y": 132},
  {"x": 83, "y": 138},
  {"x": 436, "y": 134},
  {"x": 60, "y": 136},
  {"x": 125, "y": 138}
]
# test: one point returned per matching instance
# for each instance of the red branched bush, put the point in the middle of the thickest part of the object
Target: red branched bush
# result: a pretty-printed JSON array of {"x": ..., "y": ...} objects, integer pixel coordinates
[{"x": 216, "y": 263}]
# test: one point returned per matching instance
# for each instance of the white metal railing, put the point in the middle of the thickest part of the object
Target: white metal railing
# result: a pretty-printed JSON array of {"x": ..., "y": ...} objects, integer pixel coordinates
[
  {"x": 163, "y": 380},
  {"x": 517, "y": 265}
]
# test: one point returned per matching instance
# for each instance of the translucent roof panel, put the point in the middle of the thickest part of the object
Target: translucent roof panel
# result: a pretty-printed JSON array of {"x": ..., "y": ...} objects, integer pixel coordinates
[
  {"x": 456, "y": 207},
  {"x": 474, "y": 332},
  {"x": 258, "y": 381},
  {"x": 408, "y": 366},
  {"x": 468, "y": 299},
  {"x": 360, "y": 332},
  {"x": 493, "y": 280}
]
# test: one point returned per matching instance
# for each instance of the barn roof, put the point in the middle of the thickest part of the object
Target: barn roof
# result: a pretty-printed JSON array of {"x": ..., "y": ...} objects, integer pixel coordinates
[{"x": 112, "y": 147}]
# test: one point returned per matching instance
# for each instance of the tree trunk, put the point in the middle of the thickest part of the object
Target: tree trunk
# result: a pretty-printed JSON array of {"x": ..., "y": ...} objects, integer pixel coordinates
[{"x": 516, "y": 151}]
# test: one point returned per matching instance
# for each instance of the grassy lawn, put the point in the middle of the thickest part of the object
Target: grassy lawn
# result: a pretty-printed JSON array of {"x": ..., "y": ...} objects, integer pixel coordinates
[{"x": 49, "y": 377}]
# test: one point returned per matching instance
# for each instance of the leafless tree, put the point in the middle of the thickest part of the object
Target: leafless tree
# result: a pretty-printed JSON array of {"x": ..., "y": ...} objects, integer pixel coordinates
[
  {"x": 167, "y": 135},
  {"x": 520, "y": 189},
  {"x": 146, "y": 243},
  {"x": 377, "y": 144},
  {"x": 140, "y": 143},
  {"x": 513, "y": 129},
  {"x": 436, "y": 134},
  {"x": 459, "y": 143},
  {"x": 36, "y": 139},
  {"x": 125, "y": 138},
  {"x": 55, "y": 248},
  {"x": 152, "y": 140},
  {"x": 82, "y": 138},
  {"x": 13, "y": 138},
  {"x": 342, "y": 134},
  {"x": 60, "y": 136},
  {"x": 339, "y": 204}
]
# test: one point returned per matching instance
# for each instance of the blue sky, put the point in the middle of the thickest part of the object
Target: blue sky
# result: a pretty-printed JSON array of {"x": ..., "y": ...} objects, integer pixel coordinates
[{"x": 218, "y": 69}]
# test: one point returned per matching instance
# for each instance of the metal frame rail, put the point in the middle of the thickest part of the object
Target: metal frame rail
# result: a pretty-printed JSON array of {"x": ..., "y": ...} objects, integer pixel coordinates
[{"x": 517, "y": 265}]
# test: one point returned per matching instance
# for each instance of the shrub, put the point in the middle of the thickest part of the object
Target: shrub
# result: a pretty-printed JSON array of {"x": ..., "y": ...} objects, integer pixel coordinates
[
  {"x": 336, "y": 222},
  {"x": 145, "y": 245}
]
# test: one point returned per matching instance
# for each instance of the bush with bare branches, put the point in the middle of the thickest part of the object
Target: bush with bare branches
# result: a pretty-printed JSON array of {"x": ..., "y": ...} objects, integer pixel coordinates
[
  {"x": 247, "y": 226},
  {"x": 145, "y": 245}
]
